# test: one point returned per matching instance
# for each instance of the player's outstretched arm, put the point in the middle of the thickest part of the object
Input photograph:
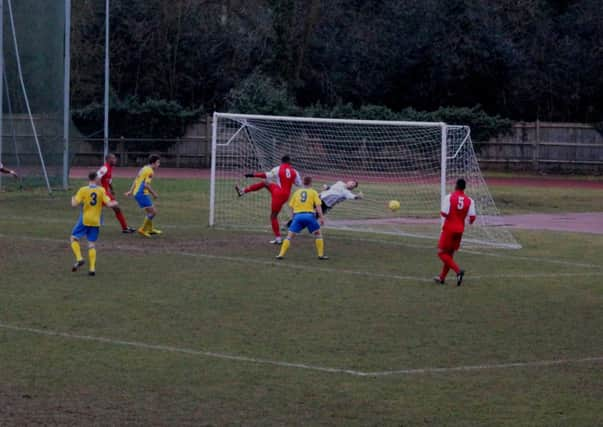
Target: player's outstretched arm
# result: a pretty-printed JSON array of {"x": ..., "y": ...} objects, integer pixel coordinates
[
  {"x": 131, "y": 190},
  {"x": 321, "y": 218}
]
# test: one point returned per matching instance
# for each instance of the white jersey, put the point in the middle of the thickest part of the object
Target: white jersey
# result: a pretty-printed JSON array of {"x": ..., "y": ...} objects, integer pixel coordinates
[{"x": 337, "y": 193}]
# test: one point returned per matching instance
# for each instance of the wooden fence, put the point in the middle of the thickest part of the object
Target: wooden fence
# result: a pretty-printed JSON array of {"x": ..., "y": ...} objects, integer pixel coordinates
[
  {"x": 534, "y": 146},
  {"x": 545, "y": 147}
]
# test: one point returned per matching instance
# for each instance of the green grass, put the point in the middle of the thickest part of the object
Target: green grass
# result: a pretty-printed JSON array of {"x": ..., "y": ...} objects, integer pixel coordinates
[{"x": 368, "y": 309}]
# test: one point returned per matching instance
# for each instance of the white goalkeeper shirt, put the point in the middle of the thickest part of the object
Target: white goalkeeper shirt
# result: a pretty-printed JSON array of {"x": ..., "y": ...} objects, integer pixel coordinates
[{"x": 337, "y": 193}]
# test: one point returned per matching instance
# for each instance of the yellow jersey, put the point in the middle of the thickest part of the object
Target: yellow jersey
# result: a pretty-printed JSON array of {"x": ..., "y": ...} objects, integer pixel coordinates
[
  {"x": 144, "y": 177},
  {"x": 92, "y": 198},
  {"x": 304, "y": 200}
]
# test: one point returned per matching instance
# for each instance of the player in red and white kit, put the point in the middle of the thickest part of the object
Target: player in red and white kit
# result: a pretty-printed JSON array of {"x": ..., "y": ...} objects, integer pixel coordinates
[
  {"x": 106, "y": 175},
  {"x": 278, "y": 182},
  {"x": 455, "y": 209}
]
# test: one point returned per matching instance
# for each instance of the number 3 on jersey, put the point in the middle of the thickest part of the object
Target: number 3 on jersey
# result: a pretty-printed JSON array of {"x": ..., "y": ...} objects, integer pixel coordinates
[{"x": 93, "y": 200}]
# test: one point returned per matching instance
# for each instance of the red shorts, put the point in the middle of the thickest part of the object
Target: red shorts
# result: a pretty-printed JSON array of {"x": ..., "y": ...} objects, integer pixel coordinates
[{"x": 450, "y": 241}]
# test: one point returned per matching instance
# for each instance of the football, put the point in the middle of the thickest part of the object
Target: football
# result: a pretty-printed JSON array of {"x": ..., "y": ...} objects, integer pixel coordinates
[{"x": 394, "y": 205}]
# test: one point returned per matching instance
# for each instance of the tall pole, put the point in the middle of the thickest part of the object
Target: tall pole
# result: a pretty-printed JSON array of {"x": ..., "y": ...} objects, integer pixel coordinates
[
  {"x": 1, "y": 76},
  {"x": 106, "y": 102},
  {"x": 66, "y": 97},
  {"x": 212, "y": 182}
]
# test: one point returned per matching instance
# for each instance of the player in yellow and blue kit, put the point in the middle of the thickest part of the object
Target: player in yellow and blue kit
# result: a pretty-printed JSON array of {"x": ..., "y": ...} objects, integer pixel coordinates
[
  {"x": 91, "y": 199},
  {"x": 305, "y": 204},
  {"x": 140, "y": 189}
]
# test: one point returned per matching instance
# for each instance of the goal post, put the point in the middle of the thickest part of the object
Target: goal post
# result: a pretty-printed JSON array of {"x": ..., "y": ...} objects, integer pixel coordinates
[{"x": 415, "y": 163}]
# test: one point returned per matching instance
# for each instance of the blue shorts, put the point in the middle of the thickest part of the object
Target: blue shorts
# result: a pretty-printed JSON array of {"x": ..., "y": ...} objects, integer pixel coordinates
[
  {"x": 144, "y": 201},
  {"x": 304, "y": 220},
  {"x": 80, "y": 230}
]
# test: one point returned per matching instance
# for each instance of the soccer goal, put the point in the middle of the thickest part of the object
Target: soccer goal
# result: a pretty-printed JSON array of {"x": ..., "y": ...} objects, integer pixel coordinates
[{"x": 414, "y": 163}]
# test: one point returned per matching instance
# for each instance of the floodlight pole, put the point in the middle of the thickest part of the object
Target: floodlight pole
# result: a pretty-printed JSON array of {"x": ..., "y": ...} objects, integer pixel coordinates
[
  {"x": 2, "y": 77},
  {"x": 106, "y": 101},
  {"x": 66, "y": 92}
]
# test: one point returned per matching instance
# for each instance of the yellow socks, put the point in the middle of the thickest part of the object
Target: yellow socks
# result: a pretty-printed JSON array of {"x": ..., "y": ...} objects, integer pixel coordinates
[
  {"x": 320, "y": 247},
  {"x": 92, "y": 258},
  {"x": 147, "y": 225},
  {"x": 284, "y": 247},
  {"x": 75, "y": 247}
]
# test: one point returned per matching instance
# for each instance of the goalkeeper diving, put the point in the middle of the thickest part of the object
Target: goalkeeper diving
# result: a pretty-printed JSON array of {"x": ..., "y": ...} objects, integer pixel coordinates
[{"x": 336, "y": 193}]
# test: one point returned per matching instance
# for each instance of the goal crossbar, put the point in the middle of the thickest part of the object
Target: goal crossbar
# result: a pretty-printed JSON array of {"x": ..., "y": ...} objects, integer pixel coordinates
[{"x": 244, "y": 117}]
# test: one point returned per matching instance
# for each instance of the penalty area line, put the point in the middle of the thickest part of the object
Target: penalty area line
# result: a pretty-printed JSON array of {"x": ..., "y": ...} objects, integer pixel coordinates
[
  {"x": 304, "y": 366},
  {"x": 305, "y": 267},
  {"x": 469, "y": 250}
]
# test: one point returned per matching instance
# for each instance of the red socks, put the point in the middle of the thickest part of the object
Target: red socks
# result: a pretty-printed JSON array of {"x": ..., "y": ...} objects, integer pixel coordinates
[
  {"x": 449, "y": 264},
  {"x": 275, "y": 227},
  {"x": 255, "y": 187},
  {"x": 122, "y": 219}
]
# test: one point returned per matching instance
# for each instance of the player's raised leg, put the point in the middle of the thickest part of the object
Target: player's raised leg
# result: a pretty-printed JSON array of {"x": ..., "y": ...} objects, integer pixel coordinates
[{"x": 250, "y": 188}]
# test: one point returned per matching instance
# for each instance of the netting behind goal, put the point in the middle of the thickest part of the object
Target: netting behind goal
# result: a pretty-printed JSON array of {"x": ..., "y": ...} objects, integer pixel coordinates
[
  {"x": 33, "y": 91},
  {"x": 391, "y": 161}
]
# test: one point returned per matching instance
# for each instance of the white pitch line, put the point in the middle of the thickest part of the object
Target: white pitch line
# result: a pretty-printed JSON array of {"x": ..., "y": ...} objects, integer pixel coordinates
[
  {"x": 261, "y": 361},
  {"x": 305, "y": 267},
  {"x": 371, "y": 240}
]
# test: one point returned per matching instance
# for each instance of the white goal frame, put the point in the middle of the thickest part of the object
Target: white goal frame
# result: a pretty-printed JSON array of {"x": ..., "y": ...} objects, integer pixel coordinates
[
  {"x": 214, "y": 143},
  {"x": 450, "y": 152}
]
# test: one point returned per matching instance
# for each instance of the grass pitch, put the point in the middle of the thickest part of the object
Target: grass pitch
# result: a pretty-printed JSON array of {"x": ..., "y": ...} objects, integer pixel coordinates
[{"x": 202, "y": 327}]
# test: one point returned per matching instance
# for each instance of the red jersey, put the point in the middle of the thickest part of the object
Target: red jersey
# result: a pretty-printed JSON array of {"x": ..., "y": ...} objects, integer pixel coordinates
[
  {"x": 455, "y": 208},
  {"x": 106, "y": 175},
  {"x": 285, "y": 176}
]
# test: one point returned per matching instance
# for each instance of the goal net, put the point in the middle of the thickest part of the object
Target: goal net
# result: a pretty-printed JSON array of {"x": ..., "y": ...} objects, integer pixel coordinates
[
  {"x": 414, "y": 163},
  {"x": 32, "y": 138}
]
